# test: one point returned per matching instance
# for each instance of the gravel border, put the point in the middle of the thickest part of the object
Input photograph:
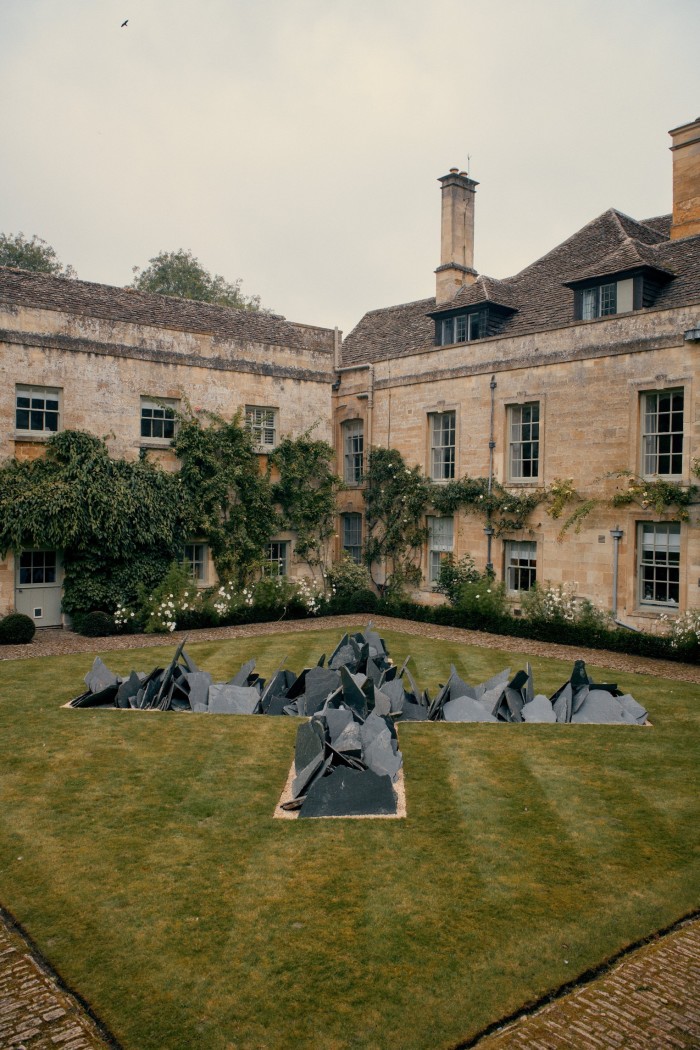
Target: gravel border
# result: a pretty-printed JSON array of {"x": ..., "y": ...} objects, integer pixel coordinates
[{"x": 58, "y": 642}]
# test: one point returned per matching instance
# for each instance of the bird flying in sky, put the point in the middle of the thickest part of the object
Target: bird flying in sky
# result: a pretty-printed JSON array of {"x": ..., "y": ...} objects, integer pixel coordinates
[{"x": 124, "y": 23}]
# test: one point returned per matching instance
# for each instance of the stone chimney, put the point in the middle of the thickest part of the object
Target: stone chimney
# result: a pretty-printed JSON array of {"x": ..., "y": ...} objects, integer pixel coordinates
[
  {"x": 457, "y": 235},
  {"x": 686, "y": 180}
]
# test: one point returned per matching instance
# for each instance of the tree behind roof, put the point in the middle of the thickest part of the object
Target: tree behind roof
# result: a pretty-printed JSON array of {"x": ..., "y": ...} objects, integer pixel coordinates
[
  {"x": 31, "y": 253},
  {"x": 181, "y": 274}
]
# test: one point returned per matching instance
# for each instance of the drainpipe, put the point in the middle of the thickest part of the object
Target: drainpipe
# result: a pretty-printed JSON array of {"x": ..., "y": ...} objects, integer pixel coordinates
[
  {"x": 492, "y": 444},
  {"x": 370, "y": 405},
  {"x": 617, "y": 535}
]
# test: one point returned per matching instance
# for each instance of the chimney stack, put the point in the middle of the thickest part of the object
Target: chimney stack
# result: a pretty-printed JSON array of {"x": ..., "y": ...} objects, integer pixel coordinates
[
  {"x": 457, "y": 235},
  {"x": 686, "y": 180}
]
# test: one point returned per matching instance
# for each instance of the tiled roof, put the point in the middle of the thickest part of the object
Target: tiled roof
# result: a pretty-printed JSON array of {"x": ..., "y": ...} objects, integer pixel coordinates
[
  {"x": 23, "y": 288},
  {"x": 538, "y": 292}
]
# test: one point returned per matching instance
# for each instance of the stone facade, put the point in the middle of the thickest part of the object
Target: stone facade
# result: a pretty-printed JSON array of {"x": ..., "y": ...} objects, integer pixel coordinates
[{"x": 583, "y": 365}]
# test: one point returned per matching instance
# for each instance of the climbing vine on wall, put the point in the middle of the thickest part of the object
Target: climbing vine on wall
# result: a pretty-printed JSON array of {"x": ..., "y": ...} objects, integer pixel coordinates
[
  {"x": 306, "y": 494},
  {"x": 396, "y": 500},
  {"x": 226, "y": 499},
  {"x": 118, "y": 523}
]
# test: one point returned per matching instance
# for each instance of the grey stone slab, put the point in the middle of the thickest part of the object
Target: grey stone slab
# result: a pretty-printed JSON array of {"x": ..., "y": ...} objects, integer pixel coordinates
[
  {"x": 306, "y": 776},
  {"x": 466, "y": 709},
  {"x": 498, "y": 682},
  {"x": 562, "y": 704},
  {"x": 394, "y": 690},
  {"x": 600, "y": 708},
  {"x": 514, "y": 701},
  {"x": 320, "y": 684},
  {"x": 128, "y": 689},
  {"x": 350, "y": 793},
  {"x": 336, "y": 720},
  {"x": 309, "y": 743},
  {"x": 199, "y": 682},
  {"x": 493, "y": 698},
  {"x": 349, "y": 739},
  {"x": 458, "y": 687},
  {"x": 412, "y": 687},
  {"x": 276, "y": 705},
  {"x": 374, "y": 671},
  {"x": 529, "y": 687},
  {"x": 381, "y": 758},
  {"x": 411, "y": 712},
  {"x": 372, "y": 728},
  {"x": 579, "y": 676},
  {"x": 103, "y": 698},
  {"x": 382, "y": 703},
  {"x": 227, "y": 699},
  {"x": 579, "y": 697},
  {"x": 99, "y": 677},
  {"x": 539, "y": 709},
  {"x": 353, "y": 697},
  {"x": 374, "y": 641},
  {"x": 241, "y": 677},
  {"x": 189, "y": 663},
  {"x": 629, "y": 704}
]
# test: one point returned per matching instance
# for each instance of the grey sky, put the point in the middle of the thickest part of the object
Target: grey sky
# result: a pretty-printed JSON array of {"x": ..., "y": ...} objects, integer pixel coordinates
[{"x": 297, "y": 143}]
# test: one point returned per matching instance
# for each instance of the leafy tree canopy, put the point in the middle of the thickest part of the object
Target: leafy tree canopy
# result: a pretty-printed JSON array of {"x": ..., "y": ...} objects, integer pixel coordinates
[
  {"x": 180, "y": 274},
  {"x": 31, "y": 254}
]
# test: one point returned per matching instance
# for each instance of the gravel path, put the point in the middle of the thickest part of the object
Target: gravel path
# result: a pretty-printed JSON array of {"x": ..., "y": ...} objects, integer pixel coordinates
[{"x": 59, "y": 642}]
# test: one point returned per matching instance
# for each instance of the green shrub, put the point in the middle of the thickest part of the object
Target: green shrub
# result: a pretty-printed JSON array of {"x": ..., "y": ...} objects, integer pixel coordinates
[
  {"x": 559, "y": 605},
  {"x": 454, "y": 574},
  {"x": 96, "y": 624},
  {"x": 347, "y": 577},
  {"x": 173, "y": 601},
  {"x": 17, "y": 629},
  {"x": 483, "y": 597}
]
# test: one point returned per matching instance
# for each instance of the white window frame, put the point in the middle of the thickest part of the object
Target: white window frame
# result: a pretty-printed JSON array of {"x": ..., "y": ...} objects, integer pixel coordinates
[
  {"x": 599, "y": 301},
  {"x": 43, "y": 394},
  {"x": 353, "y": 451},
  {"x": 658, "y": 564},
  {"x": 276, "y": 561},
  {"x": 443, "y": 453},
  {"x": 162, "y": 418},
  {"x": 351, "y": 535},
  {"x": 261, "y": 422},
  {"x": 520, "y": 565},
  {"x": 461, "y": 328},
  {"x": 523, "y": 434},
  {"x": 196, "y": 560},
  {"x": 659, "y": 443},
  {"x": 441, "y": 541}
]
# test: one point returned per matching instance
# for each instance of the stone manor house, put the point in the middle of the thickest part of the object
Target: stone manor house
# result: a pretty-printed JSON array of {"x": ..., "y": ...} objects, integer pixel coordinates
[{"x": 581, "y": 366}]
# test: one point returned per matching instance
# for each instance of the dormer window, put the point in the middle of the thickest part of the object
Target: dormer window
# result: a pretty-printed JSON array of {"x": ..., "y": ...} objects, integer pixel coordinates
[
  {"x": 599, "y": 302},
  {"x": 463, "y": 328}
]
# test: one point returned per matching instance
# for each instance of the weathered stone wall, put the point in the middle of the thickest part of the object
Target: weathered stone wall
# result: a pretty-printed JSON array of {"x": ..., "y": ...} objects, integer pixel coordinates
[
  {"x": 104, "y": 367},
  {"x": 588, "y": 379}
]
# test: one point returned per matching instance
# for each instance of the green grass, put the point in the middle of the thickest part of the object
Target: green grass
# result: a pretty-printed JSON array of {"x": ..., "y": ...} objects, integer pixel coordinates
[{"x": 139, "y": 852}]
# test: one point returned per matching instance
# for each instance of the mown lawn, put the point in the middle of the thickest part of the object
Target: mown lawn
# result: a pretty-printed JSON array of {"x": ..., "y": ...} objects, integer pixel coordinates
[{"x": 140, "y": 853}]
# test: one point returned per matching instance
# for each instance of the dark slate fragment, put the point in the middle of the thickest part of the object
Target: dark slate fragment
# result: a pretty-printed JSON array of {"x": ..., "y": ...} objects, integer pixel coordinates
[
  {"x": 466, "y": 709},
  {"x": 309, "y": 743},
  {"x": 579, "y": 698},
  {"x": 241, "y": 677},
  {"x": 199, "y": 682},
  {"x": 353, "y": 697},
  {"x": 394, "y": 690},
  {"x": 104, "y": 698},
  {"x": 276, "y": 705},
  {"x": 579, "y": 676},
  {"x": 411, "y": 712},
  {"x": 128, "y": 689},
  {"x": 99, "y": 677},
  {"x": 228, "y": 699},
  {"x": 320, "y": 683},
  {"x": 349, "y": 740},
  {"x": 539, "y": 709},
  {"x": 350, "y": 793},
  {"x": 458, "y": 687},
  {"x": 498, "y": 682},
  {"x": 514, "y": 701},
  {"x": 639, "y": 713},
  {"x": 336, "y": 720},
  {"x": 562, "y": 703},
  {"x": 306, "y": 776},
  {"x": 601, "y": 708}
]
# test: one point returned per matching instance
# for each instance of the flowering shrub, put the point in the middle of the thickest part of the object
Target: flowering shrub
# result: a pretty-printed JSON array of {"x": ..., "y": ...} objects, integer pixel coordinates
[
  {"x": 683, "y": 630},
  {"x": 309, "y": 595},
  {"x": 346, "y": 577},
  {"x": 483, "y": 597},
  {"x": 125, "y": 618},
  {"x": 454, "y": 574},
  {"x": 176, "y": 597},
  {"x": 560, "y": 605},
  {"x": 226, "y": 599}
]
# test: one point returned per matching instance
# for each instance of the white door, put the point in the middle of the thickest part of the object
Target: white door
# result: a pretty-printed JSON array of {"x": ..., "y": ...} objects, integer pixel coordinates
[{"x": 38, "y": 586}]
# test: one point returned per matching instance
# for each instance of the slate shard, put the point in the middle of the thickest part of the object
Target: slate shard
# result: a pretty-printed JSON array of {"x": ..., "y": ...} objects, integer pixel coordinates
[
  {"x": 350, "y": 793},
  {"x": 99, "y": 677}
]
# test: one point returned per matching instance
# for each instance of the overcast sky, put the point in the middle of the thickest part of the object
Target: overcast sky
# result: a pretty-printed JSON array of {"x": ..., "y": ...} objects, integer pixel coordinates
[{"x": 297, "y": 143}]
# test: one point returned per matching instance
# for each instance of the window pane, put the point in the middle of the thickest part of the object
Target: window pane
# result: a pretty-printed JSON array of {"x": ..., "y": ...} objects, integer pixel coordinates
[
  {"x": 524, "y": 452},
  {"x": 659, "y": 568},
  {"x": 662, "y": 433}
]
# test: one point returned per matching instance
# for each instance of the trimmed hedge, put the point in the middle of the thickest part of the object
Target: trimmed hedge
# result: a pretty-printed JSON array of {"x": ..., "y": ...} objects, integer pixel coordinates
[{"x": 17, "y": 629}]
